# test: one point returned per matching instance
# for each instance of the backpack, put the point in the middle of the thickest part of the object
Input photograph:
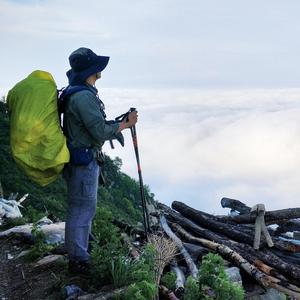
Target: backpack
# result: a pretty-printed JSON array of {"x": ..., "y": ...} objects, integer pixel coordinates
[{"x": 37, "y": 142}]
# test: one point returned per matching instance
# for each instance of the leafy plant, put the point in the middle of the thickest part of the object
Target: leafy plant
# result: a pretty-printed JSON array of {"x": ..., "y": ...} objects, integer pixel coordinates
[
  {"x": 192, "y": 289},
  {"x": 106, "y": 249},
  {"x": 111, "y": 264},
  {"x": 212, "y": 274},
  {"x": 169, "y": 280},
  {"x": 32, "y": 214},
  {"x": 212, "y": 282},
  {"x": 39, "y": 248},
  {"x": 143, "y": 277},
  {"x": 143, "y": 290},
  {"x": 121, "y": 268}
]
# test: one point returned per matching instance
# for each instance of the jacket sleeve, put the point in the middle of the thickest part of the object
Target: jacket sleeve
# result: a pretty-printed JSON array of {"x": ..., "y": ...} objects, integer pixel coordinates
[{"x": 88, "y": 109}]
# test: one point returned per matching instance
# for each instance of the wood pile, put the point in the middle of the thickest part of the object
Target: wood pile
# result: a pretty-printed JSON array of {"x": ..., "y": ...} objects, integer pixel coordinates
[{"x": 249, "y": 240}]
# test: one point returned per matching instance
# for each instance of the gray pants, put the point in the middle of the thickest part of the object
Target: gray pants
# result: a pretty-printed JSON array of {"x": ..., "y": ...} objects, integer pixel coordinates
[{"x": 82, "y": 183}]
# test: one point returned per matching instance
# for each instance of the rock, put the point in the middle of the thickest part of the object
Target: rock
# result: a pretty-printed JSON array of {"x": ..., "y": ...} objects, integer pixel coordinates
[
  {"x": 44, "y": 221},
  {"x": 10, "y": 208},
  {"x": 49, "y": 261},
  {"x": 234, "y": 275},
  {"x": 22, "y": 230},
  {"x": 73, "y": 292},
  {"x": 55, "y": 233},
  {"x": 154, "y": 221}
]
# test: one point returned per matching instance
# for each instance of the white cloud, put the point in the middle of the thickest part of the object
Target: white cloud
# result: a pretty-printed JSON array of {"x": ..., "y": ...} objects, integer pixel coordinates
[{"x": 211, "y": 144}]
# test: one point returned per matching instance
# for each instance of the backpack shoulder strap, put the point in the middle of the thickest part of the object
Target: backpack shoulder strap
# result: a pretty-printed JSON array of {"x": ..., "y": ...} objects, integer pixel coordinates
[
  {"x": 63, "y": 98},
  {"x": 70, "y": 90}
]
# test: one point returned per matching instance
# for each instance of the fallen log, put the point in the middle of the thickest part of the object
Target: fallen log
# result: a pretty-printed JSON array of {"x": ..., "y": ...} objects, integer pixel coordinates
[
  {"x": 189, "y": 225},
  {"x": 216, "y": 226},
  {"x": 224, "y": 251},
  {"x": 264, "y": 255},
  {"x": 228, "y": 230},
  {"x": 191, "y": 265},
  {"x": 285, "y": 226},
  {"x": 271, "y": 217},
  {"x": 285, "y": 245},
  {"x": 212, "y": 245},
  {"x": 235, "y": 205},
  {"x": 291, "y": 258},
  {"x": 228, "y": 253},
  {"x": 180, "y": 279},
  {"x": 266, "y": 260},
  {"x": 273, "y": 260},
  {"x": 276, "y": 216}
]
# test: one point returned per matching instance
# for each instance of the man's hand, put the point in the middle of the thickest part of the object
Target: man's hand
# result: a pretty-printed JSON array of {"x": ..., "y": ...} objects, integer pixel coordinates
[
  {"x": 129, "y": 121},
  {"x": 132, "y": 118}
]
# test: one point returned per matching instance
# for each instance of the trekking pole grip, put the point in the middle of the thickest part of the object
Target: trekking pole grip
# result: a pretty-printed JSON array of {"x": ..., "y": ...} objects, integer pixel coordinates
[{"x": 130, "y": 110}]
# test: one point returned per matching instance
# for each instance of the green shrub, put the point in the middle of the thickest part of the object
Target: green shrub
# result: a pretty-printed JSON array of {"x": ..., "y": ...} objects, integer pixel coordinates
[
  {"x": 192, "y": 289},
  {"x": 32, "y": 214},
  {"x": 212, "y": 274},
  {"x": 143, "y": 286},
  {"x": 112, "y": 265},
  {"x": 169, "y": 280},
  {"x": 106, "y": 249},
  {"x": 121, "y": 268},
  {"x": 212, "y": 282},
  {"x": 39, "y": 248},
  {"x": 142, "y": 290}
]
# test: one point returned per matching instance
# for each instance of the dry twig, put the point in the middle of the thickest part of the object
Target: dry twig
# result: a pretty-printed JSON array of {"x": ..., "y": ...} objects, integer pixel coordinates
[{"x": 166, "y": 250}]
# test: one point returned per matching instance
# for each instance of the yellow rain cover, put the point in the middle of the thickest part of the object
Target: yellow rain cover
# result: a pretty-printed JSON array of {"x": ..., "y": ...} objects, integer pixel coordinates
[{"x": 37, "y": 142}]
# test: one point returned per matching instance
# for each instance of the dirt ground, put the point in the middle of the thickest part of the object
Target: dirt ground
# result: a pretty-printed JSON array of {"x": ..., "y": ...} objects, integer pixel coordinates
[{"x": 19, "y": 280}]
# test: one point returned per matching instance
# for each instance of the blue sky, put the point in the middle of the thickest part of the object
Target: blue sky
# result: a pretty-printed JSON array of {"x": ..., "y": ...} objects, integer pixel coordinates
[{"x": 216, "y": 83}]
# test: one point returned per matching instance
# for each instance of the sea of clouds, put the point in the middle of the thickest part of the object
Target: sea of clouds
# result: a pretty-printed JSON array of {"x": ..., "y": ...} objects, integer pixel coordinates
[{"x": 198, "y": 146}]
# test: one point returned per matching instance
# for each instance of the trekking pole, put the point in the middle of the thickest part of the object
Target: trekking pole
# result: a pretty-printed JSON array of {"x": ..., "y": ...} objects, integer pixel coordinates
[
  {"x": 146, "y": 221},
  {"x": 142, "y": 192}
]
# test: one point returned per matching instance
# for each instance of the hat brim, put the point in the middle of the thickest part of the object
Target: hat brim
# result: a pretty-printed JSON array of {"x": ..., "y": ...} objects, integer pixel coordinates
[{"x": 76, "y": 78}]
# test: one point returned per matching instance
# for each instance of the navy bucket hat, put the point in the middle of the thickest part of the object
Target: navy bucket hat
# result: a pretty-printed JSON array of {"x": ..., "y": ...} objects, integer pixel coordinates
[{"x": 84, "y": 63}]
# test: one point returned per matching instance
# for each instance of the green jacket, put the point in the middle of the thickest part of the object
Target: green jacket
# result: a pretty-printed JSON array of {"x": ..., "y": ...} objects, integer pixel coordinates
[{"x": 84, "y": 122}]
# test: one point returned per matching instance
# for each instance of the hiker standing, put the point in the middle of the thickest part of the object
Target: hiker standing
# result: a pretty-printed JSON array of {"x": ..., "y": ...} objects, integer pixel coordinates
[{"x": 86, "y": 131}]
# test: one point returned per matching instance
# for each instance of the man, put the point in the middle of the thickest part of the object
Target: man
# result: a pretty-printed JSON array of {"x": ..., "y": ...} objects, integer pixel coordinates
[{"x": 86, "y": 131}]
